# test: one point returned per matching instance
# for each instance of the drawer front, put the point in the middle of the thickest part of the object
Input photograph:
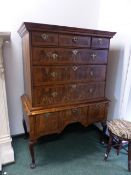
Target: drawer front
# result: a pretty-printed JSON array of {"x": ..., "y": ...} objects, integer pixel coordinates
[
  {"x": 57, "y": 74},
  {"x": 74, "y": 40},
  {"x": 44, "y": 39},
  {"x": 97, "y": 112},
  {"x": 50, "y": 74},
  {"x": 43, "y": 56},
  {"x": 67, "y": 94},
  {"x": 47, "y": 123},
  {"x": 49, "y": 56},
  {"x": 73, "y": 115},
  {"x": 100, "y": 43}
]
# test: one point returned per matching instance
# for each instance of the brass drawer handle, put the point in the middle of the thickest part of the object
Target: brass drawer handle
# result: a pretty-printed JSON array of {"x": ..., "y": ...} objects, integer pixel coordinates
[
  {"x": 44, "y": 36},
  {"x": 54, "y": 56},
  {"x": 90, "y": 90},
  {"x": 47, "y": 115},
  {"x": 54, "y": 94},
  {"x": 91, "y": 73},
  {"x": 54, "y": 74},
  {"x": 100, "y": 41},
  {"x": 75, "y": 111},
  {"x": 74, "y": 86},
  {"x": 100, "y": 105},
  {"x": 74, "y": 68},
  {"x": 93, "y": 56},
  {"x": 97, "y": 105},
  {"x": 75, "y": 39},
  {"x": 75, "y": 52}
]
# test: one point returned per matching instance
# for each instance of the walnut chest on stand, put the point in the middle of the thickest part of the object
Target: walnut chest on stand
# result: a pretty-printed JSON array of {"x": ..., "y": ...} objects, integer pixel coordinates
[{"x": 64, "y": 78}]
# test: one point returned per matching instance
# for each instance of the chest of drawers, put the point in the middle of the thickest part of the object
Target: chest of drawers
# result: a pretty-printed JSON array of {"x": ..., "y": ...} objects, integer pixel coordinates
[{"x": 64, "y": 77}]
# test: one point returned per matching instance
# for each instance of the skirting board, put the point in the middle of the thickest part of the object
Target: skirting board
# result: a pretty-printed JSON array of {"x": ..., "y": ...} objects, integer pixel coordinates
[{"x": 6, "y": 152}]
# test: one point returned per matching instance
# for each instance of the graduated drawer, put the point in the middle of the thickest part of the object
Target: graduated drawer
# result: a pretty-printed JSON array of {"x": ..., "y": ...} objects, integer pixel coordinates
[
  {"x": 44, "y": 39},
  {"x": 59, "y": 74},
  {"x": 97, "y": 112},
  {"x": 74, "y": 40},
  {"x": 66, "y": 93},
  {"x": 100, "y": 43},
  {"x": 44, "y": 56}
]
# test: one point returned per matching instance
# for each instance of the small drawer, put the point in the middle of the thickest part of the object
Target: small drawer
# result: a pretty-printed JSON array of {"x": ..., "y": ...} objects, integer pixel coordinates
[
  {"x": 74, "y": 40},
  {"x": 47, "y": 123},
  {"x": 100, "y": 43},
  {"x": 97, "y": 112},
  {"x": 44, "y": 38},
  {"x": 73, "y": 115}
]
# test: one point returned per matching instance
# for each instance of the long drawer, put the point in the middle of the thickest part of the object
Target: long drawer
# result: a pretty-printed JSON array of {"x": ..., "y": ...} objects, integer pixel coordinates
[
  {"x": 54, "y": 95},
  {"x": 51, "y": 56},
  {"x": 59, "y": 74}
]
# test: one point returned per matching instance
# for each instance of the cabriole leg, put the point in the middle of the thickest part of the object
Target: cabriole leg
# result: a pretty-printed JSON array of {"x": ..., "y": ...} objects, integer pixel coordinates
[
  {"x": 31, "y": 148},
  {"x": 25, "y": 127}
]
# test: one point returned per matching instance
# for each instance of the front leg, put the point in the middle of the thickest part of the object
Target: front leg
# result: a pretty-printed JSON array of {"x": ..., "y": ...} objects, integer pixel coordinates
[
  {"x": 31, "y": 148},
  {"x": 25, "y": 128}
]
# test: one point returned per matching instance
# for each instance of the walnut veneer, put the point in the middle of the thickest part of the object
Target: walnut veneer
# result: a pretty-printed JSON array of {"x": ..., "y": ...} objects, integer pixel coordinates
[{"x": 64, "y": 77}]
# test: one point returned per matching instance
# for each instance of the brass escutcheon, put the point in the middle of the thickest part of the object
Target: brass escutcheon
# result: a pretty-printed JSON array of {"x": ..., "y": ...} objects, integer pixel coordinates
[
  {"x": 54, "y": 74},
  {"x": 54, "y": 94},
  {"x": 74, "y": 68},
  {"x": 75, "y": 52},
  {"x": 44, "y": 36}
]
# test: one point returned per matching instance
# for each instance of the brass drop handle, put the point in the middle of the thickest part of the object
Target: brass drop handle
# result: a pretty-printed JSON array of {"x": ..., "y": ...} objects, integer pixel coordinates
[
  {"x": 44, "y": 36},
  {"x": 91, "y": 73},
  {"x": 54, "y": 94},
  {"x": 74, "y": 86},
  {"x": 54, "y": 56},
  {"x": 93, "y": 56},
  {"x": 100, "y": 41},
  {"x": 54, "y": 74},
  {"x": 75, "y": 39},
  {"x": 90, "y": 90},
  {"x": 75, "y": 111}
]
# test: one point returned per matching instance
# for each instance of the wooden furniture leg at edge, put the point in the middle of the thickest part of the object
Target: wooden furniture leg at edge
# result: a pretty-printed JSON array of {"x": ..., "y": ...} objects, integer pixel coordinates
[
  {"x": 25, "y": 128},
  {"x": 31, "y": 148}
]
